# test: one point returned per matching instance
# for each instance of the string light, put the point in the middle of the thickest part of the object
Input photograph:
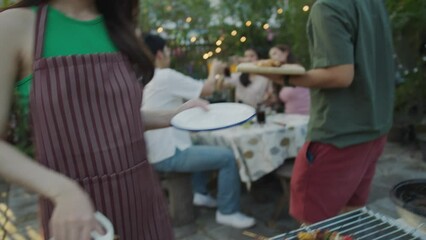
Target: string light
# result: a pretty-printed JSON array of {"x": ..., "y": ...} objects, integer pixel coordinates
[
  {"x": 265, "y": 26},
  {"x": 280, "y": 11},
  {"x": 218, "y": 42},
  {"x": 210, "y": 53},
  {"x": 243, "y": 39},
  {"x": 218, "y": 50},
  {"x": 160, "y": 29},
  {"x": 193, "y": 39},
  {"x": 305, "y": 8},
  {"x": 248, "y": 23},
  {"x": 234, "y": 33},
  {"x": 205, "y": 56},
  {"x": 188, "y": 19}
]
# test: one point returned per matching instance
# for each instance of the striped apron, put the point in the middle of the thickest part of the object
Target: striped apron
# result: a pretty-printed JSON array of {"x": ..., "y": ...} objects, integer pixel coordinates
[{"x": 85, "y": 112}]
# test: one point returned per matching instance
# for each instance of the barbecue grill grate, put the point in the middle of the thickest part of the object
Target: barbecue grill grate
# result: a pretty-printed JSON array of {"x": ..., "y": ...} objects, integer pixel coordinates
[{"x": 361, "y": 224}]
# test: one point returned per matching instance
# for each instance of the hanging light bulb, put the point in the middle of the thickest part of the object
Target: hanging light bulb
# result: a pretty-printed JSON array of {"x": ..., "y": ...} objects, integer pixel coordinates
[
  {"x": 280, "y": 11},
  {"x": 305, "y": 8},
  {"x": 243, "y": 39},
  {"x": 265, "y": 26},
  {"x": 188, "y": 19},
  {"x": 248, "y": 23},
  {"x": 234, "y": 33},
  {"x": 160, "y": 29},
  {"x": 218, "y": 50},
  {"x": 218, "y": 42},
  {"x": 193, "y": 39}
]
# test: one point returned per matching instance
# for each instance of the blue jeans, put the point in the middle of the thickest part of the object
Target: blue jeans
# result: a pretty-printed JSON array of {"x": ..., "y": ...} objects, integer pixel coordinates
[{"x": 198, "y": 160}]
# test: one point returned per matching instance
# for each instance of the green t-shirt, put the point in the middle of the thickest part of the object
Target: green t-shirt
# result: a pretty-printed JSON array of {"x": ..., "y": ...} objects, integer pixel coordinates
[
  {"x": 352, "y": 32},
  {"x": 64, "y": 36}
]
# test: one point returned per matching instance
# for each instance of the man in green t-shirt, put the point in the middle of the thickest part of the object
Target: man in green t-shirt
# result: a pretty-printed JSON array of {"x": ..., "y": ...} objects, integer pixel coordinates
[{"x": 352, "y": 91}]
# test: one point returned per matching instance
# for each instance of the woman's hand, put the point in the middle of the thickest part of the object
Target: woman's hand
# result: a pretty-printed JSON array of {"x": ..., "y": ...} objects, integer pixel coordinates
[{"x": 73, "y": 217}]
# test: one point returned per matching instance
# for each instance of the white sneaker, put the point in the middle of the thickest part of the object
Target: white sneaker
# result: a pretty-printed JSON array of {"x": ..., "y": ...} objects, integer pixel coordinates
[
  {"x": 201, "y": 200},
  {"x": 236, "y": 220}
]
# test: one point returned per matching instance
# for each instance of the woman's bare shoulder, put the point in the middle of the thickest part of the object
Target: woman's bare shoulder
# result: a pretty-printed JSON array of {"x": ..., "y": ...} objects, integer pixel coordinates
[
  {"x": 16, "y": 22},
  {"x": 17, "y": 28}
]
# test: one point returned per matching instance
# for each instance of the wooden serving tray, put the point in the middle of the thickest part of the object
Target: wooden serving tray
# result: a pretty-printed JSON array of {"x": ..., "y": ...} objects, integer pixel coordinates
[{"x": 286, "y": 69}]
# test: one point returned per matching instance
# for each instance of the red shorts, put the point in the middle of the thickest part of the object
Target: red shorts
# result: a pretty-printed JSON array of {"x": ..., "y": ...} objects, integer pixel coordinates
[{"x": 326, "y": 179}]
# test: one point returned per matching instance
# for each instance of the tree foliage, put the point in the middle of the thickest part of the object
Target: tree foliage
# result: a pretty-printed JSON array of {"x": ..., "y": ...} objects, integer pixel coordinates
[
  {"x": 408, "y": 20},
  {"x": 217, "y": 21}
]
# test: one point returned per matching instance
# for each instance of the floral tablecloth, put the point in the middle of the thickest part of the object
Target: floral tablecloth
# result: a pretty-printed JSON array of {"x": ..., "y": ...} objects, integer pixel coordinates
[{"x": 260, "y": 149}]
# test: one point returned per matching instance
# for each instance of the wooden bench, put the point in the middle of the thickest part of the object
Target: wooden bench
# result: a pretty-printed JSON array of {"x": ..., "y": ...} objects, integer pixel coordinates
[
  {"x": 178, "y": 191},
  {"x": 283, "y": 173}
]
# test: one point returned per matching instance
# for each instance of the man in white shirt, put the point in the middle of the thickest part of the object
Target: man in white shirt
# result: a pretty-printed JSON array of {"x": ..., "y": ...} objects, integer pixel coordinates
[{"x": 171, "y": 150}]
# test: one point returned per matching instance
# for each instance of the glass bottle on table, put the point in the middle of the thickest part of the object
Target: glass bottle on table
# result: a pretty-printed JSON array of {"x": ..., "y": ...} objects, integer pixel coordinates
[{"x": 260, "y": 113}]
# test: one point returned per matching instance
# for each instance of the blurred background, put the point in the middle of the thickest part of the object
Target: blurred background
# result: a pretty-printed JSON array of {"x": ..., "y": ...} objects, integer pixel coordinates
[{"x": 199, "y": 30}]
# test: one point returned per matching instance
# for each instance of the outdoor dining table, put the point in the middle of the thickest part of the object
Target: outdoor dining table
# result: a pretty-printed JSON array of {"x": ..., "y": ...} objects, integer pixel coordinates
[{"x": 259, "y": 149}]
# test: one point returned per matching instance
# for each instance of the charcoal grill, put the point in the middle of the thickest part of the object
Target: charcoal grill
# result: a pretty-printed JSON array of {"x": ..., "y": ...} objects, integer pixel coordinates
[{"x": 361, "y": 224}]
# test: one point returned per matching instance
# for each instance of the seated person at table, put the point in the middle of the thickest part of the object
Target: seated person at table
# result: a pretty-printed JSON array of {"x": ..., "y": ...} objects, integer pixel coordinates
[
  {"x": 170, "y": 150},
  {"x": 296, "y": 99},
  {"x": 251, "y": 89}
]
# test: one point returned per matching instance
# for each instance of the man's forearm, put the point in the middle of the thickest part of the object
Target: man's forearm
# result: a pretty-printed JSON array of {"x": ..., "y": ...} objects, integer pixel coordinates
[
  {"x": 160, "y": 119},
  {"x": 157, "y": 119},
  {"x": 334, "y": 77}
]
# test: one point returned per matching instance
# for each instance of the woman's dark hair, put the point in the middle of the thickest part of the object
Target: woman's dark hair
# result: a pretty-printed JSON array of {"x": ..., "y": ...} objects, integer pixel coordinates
[
  {"x": 155, "y": 43},
  {"x": 286, "y": 48},
  {"x": 121, "y": 22},
  {"x": 244, "y": 77}
]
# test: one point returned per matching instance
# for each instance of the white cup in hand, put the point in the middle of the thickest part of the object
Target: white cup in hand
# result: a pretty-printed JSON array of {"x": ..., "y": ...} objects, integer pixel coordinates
[{"x": 107, "y": 225}]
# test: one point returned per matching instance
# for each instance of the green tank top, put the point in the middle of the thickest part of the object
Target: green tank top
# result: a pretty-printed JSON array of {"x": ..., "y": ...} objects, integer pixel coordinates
[{"x": 64, "y": 36}]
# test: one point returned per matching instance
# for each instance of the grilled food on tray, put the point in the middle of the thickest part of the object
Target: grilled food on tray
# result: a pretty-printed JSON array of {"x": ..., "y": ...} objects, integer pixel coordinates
[
  {"x": 322, "y": 235},
  {"x": 268, "y": 63}
]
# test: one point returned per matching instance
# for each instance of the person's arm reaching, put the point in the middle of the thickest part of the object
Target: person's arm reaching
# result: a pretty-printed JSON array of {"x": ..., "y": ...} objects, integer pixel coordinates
[
  {"x": 217, "y": 68},
  {"x": 161, "y": 119}
]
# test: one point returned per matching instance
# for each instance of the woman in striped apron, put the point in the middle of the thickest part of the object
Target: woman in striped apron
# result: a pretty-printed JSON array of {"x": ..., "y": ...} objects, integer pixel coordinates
[{"x": 85, "y": 118}]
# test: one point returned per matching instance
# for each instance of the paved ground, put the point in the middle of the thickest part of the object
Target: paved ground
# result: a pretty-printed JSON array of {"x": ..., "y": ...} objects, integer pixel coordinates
[
  {"x": 18, "y": 216},
  {"x": 397, "y": 163}
]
